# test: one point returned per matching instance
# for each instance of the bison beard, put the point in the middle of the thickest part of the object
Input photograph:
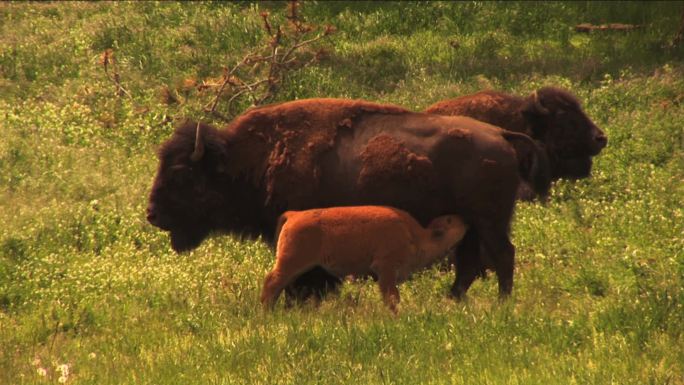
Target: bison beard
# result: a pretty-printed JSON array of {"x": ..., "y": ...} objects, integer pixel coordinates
[
  {"x": 551, "y": 116},
  {"x": 329, "y": 152}
]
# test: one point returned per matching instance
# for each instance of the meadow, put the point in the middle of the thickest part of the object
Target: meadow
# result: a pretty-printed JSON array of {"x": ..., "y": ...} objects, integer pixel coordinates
[{"x": 90, "y": 293}]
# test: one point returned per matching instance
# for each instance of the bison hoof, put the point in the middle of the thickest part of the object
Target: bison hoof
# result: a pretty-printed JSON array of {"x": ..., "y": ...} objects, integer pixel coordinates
[{"x": 457, "y": 294}]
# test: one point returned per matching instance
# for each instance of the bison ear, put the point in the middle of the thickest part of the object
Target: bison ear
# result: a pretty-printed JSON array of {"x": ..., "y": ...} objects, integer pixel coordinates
[
  {"x": 534, "y": 106},
  {"x": 198, "y": 153}
]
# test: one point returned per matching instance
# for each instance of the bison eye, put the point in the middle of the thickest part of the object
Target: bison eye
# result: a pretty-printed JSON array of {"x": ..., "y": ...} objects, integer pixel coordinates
[
  {"x": 180, "y": 168},
  {"x": 180, "y": 173}
]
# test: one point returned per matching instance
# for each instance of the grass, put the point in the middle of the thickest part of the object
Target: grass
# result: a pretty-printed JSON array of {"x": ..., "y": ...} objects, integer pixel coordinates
[{"x": 86, "y": 282}]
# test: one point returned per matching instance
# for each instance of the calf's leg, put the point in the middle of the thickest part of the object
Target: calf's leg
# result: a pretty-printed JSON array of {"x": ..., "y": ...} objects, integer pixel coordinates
[
  {"x": 387, "y": 280},
  {"x": 273, "y": 286},
  {"x": 286, "y": 270}
]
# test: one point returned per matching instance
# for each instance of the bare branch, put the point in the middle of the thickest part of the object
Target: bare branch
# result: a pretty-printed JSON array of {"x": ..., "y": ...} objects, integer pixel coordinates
[
  {"x": 680, "y": 33},
  {"x": 260, "y": 73},
  {"x": 267, "y": 25},
  {"x": 226, "y": 80},
  {"x": 230, "y": 101},
  {"x": 107, "y": 60}
]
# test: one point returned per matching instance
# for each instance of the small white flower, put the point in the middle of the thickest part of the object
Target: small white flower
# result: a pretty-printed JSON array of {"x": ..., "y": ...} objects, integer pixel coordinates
[
  {"x": 41, "y": 372},
  {"x": 64, "y": 369},
  {"x": 62, "y": 379},
  {"x": 92, "y": 355}
]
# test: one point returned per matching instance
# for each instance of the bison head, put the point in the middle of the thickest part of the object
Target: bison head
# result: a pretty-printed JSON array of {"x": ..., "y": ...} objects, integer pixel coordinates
[
  {"x": 189, "y": 193},
  {"x": 571, "y": 138}
]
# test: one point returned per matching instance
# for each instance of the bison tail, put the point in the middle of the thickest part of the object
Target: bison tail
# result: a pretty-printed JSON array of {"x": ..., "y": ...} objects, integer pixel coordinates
[
  {"x": 279, "y": 226},
  {"x": 533, "y": 163}
]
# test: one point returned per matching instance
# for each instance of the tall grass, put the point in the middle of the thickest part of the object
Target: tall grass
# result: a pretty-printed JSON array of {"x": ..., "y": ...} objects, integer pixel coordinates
[{"x": 86, "y": 282}]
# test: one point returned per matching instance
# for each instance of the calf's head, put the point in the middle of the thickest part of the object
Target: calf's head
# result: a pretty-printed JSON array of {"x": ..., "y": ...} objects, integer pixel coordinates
[
  {"x": 571, "y": 138},
  {"x": 447, "y": 230},
  {"x": 186, "y": 195}
]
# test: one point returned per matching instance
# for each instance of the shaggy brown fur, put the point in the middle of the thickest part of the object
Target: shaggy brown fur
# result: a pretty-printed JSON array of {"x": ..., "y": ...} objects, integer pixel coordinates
[
  {"x": 294, "y": 135},
  {"x": 360, "y": 240},
  {"x": 329, "y": 152},
  {"x": 551, "y": 116}
]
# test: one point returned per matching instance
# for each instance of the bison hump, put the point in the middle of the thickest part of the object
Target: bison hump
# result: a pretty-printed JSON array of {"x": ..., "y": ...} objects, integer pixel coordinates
[{"x": 295, "y": 135}]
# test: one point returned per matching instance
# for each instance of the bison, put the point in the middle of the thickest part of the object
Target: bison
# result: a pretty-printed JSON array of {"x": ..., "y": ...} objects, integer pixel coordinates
[
  {"x": 319, "y": 153},
  {"x": 361, "y": 240},
  {"x": 552, "y": 116}
]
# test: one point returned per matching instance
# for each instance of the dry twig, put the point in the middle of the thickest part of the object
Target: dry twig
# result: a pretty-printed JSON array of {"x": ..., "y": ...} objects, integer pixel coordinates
[
  {"x": 107, "y": 61},
  {"x": 680, "y": 33},
  {"x": 266, "y": 67},
  {"x": 587, "y": 27}
]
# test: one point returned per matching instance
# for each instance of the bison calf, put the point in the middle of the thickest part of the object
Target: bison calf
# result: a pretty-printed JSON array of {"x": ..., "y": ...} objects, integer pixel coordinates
[{"x": 361, "y": 240}]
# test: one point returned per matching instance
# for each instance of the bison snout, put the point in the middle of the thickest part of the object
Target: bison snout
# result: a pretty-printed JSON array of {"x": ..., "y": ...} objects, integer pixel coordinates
[
  {"x": 152, "y": 216},
  {"x": 601, "y": 140}
]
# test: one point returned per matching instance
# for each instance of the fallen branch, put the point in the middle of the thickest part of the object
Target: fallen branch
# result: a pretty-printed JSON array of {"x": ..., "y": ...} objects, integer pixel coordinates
[{"x": 587, "y": 27}]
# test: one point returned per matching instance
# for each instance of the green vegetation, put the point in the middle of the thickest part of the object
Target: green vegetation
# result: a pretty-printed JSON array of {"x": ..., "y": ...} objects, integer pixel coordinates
[{"x": 86, "y": 282}]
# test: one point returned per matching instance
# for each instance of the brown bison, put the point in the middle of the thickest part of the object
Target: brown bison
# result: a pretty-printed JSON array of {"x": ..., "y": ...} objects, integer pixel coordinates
[
  {"x": 384, "y": 242},
  {"x": 320, "y": 153},
  {"x": 551, "y": 116}
]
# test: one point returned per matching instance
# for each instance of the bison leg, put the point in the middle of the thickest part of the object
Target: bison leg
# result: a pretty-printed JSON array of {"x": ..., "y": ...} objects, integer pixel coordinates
[
  {"x": 468, "y": 264},
  {"x": 316, "y": 283},
  {"x": 525, "y": 192},
  {"x": 501, "y": 252}
]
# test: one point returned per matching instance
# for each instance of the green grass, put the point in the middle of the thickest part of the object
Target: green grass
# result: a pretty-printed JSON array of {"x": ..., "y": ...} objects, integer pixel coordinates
[{"x": 85, "y": 281}]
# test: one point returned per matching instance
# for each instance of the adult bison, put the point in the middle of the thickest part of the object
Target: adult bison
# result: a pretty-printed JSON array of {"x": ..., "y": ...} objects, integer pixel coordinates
[
  {"x": 329, "y": 152},
  {"x": 551, "y": 116}
]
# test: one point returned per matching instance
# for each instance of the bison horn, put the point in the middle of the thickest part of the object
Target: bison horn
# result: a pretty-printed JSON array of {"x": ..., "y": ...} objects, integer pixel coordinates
[
  {"x": 537, "y": 104},
  {"x": 199, "y": 145}
]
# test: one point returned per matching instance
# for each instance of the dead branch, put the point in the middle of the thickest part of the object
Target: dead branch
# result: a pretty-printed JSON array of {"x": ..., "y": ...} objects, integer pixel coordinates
[
  {"x": 680, "y": 33},
  {"x": 107, "y": 60},
  {"x": 587, "y": 27},
  {"x": 260, "y": 73},
  {"x": 227, "y": 79}
]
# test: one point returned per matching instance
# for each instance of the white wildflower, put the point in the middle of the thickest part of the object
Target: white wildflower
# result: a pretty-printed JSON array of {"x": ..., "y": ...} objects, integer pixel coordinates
[
  {"x": 64, "y": 369},
  {"x": 41, "y": 372}
]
